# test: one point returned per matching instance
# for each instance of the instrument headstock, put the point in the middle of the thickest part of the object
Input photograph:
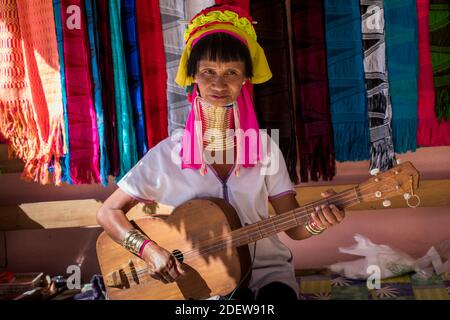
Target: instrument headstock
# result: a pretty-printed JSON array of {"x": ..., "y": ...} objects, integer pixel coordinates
[{"x": 402, "y": 180}]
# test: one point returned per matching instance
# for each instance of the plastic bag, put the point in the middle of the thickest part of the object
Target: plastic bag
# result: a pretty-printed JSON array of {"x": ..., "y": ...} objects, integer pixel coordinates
[{"x": 382, "y": 258}]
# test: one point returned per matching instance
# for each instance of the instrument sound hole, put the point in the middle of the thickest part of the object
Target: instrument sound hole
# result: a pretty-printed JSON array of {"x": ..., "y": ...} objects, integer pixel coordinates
[{"x": 178, "y": 255}]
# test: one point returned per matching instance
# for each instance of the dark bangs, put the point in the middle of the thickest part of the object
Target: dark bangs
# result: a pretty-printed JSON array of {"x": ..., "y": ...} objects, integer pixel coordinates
[{"x": 219, "y": 47}]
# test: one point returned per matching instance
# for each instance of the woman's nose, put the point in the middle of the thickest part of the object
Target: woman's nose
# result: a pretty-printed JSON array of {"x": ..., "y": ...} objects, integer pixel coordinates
[{"x": 219, "y": 81}]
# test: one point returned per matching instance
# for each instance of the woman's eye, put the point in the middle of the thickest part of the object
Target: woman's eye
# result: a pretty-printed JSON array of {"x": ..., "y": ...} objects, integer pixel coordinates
[
  {"x": 231, "y": 73},
  {"x": 208, "y": 72}
]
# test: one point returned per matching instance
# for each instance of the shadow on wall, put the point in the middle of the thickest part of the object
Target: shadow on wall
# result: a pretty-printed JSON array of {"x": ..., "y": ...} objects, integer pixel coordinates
[{"x": 53, "y": 251}]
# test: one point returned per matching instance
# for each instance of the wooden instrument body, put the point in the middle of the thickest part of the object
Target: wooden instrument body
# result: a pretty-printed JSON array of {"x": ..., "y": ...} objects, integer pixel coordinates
[
  {"x": 215, "y": 252},
  {"x": 188, "y": 228}
]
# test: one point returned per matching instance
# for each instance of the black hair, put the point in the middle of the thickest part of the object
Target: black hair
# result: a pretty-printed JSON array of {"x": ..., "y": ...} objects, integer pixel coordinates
[{"x": 219, "y": 47}]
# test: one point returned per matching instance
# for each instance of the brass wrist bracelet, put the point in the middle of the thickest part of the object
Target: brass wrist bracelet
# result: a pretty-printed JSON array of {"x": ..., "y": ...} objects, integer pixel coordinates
[{"x": 134, "y": 240}]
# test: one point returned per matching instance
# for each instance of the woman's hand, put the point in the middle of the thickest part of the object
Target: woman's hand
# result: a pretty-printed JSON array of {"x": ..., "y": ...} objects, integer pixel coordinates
[
  {"x": 327, "y": 216},
  {"x": 162, "y": 265}
]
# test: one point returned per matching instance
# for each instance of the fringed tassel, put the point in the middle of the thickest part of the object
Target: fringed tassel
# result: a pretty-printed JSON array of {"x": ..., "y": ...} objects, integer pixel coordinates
[
  {"x": 199, "y": 134},
  {"x": 431, "y": 133},
  {"x": 85, "y": 171},
  {"x": 442, "y": 103},
  {"x": 402, "y": 131},
  {"x": 382, "y": 155},
  {"x": 351, "y": 142},
  {"x": 319, "y": 163}
]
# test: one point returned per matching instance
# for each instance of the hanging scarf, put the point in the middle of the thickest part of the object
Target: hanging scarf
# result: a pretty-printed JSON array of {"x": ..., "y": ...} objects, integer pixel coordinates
[
  {"x": 275, "y": 97},
  {"x": 130, "y": 42},
  {"x": 440, "y": 55},
  {"x": 430, "y": 132},
  {"x": 108, "y": 92},
  {"x": 402, "y": 57},
  {"x": 346, "y": 80},
  {"x": 314, "y": 130},
  {"x": 234, "y": 21},
  {"x": 126, "y": 135},
  {"x": 172, "y": 12},
  {"x": 153, "y": 66},
  {"x": 91, "y": 19},
  {"x": 65, "y": 160},
  {"x": 84, "y": 140},
  {"x": 378, "y": 101},
  {"x": 31, "y": 111}
]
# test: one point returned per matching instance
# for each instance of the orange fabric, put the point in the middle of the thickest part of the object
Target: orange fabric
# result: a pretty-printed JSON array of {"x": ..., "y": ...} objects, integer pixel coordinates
[{"x": 31, "y": 111}]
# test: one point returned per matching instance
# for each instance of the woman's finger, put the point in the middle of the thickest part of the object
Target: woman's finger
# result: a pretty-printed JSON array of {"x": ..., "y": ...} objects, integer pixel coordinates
[
  {"x": 158, "y": 276},
  {"x": 328, "y": 214},
  {"x": 323, "y": 221},
  {"x": 165, "y": 274},
  {"x": 328, "y": 193},
  {"x": 339, "y": 214},
  {"x": 315, "y": 218},
  {"x": 173, "y": 272}
]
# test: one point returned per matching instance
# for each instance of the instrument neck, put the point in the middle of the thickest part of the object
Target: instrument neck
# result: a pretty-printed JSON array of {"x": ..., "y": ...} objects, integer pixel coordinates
[{"x": 288, "y": 220}]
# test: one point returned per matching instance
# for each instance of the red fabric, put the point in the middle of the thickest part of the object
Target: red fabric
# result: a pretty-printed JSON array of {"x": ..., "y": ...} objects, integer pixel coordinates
[
  {"x": 244, "y": 4},
  {"x": 430, "y": 131},
  {"x": 153, "y": 67},
  {"x": 83, "y": 133},
  {"x": 314, "y": 130}
]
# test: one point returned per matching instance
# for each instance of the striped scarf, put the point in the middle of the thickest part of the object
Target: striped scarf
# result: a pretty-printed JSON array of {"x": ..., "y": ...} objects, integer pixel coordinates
[
  {"x": 378, "y": 101},
  {"x": 31, "y": 111},
  {"x": 177, "y": 103}
]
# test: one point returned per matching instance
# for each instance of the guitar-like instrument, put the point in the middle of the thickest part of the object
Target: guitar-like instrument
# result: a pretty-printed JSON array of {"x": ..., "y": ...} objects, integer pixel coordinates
[{"x": 207, "y": 237}]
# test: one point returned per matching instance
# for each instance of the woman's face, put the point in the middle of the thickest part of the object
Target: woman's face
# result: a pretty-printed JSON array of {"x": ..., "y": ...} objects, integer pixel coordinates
[{"x": 220, "y": 83}]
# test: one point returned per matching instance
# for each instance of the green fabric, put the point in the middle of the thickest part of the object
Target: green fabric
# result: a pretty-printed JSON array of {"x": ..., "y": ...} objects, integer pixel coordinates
[
  {"x": 124, "y": 110},
  {"x": 440, "y": 55}
]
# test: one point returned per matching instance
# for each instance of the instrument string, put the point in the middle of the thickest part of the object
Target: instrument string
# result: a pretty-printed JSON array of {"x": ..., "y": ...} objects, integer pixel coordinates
[{"x": 283, "y": 221}]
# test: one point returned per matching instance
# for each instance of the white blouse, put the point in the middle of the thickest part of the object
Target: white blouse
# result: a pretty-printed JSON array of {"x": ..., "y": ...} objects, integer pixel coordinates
[{"x": 158, "y": 177}]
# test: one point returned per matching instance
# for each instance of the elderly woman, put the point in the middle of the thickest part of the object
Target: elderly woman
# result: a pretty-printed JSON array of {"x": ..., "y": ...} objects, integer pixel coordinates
[{"x": 212, "y": 158}]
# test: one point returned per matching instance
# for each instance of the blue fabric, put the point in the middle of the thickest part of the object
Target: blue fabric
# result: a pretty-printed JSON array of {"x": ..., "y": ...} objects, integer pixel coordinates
[
  {"x": 130, "y": 39},
  {"x": 402, "y": 62},
  {"x": 345, "y": 63},
  {"x": 91, "y": 21},
  {"x": 65, "y": 161},
  {"x": 124, "y": 110}
]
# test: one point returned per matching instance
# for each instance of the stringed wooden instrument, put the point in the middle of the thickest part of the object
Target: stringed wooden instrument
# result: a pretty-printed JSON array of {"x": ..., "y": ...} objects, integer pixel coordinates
[{"x": 207, "y": 237}]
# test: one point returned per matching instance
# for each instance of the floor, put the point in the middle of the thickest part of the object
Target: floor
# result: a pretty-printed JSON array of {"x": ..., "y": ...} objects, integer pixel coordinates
[{"x": 329, "y": 286}]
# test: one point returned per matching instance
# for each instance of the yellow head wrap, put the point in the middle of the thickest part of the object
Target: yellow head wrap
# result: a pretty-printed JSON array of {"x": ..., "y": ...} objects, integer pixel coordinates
[{"x": 227, "y": 19}]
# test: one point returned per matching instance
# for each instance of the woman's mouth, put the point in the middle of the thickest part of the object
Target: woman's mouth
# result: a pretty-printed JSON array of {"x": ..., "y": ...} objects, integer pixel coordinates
[{"x": 216, "y": 97}]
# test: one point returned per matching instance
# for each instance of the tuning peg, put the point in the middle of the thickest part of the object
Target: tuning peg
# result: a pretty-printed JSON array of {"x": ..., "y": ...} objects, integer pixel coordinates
[
  {"x": 374, "y": 172},
  {"x": 386, "y": 203},
  {"x": 399, "y": 161},
  {"x": 407, "y": 196}
]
